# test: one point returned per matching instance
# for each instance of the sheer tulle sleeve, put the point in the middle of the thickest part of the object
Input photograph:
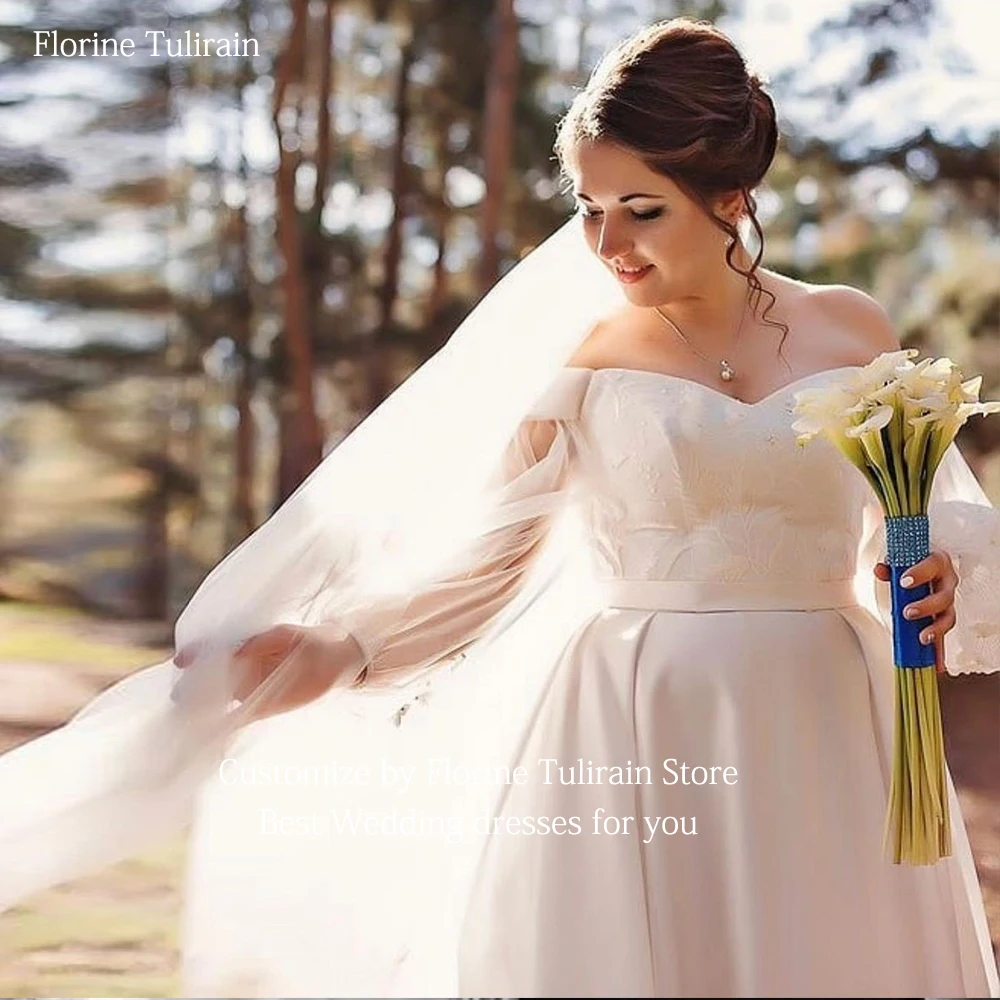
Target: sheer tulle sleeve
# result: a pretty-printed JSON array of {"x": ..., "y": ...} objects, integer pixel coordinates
[
  {"x": 400, "y": 636},
  {"x": 963, "y": 523}
]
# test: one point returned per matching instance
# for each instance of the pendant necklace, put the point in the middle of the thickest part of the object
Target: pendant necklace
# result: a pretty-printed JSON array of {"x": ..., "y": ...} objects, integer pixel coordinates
[{"x": 726, "y": 371}]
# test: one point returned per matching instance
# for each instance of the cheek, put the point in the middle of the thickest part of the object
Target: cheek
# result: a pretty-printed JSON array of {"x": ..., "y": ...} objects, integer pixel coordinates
[
  {"x": 666, "y": 244},
  {"x": 679, "y": 246}
]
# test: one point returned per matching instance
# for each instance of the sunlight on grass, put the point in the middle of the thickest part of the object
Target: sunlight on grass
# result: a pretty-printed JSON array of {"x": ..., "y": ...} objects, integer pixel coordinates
[
  {"x": 82, "y": 984},
  {"x": 111, "y": 934},
  {"x": 33, "y": 643},
  {"x": 52, "y": 635}
]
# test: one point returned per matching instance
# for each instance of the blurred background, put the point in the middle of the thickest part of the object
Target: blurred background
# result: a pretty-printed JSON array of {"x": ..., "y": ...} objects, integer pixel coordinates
[{"x": 211, "y": 268}]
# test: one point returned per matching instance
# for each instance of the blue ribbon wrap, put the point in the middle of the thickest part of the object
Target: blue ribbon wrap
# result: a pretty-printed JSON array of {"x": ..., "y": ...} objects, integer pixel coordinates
[{"x": 907, "y": 542}]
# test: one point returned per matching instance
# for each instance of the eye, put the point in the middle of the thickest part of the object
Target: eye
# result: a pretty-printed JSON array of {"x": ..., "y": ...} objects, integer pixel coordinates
[{"x": 638, "y": 216}]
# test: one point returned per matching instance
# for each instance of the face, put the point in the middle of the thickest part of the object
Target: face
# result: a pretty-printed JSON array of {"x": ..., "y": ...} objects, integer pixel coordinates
[{"x": 656, "y": 240}]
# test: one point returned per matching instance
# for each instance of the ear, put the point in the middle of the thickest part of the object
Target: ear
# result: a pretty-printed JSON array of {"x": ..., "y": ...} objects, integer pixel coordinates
[{"x": 730, "y": 205}]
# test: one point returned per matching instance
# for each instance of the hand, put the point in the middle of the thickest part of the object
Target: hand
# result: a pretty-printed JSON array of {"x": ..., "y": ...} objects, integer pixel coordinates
[
  {"x": 939, "y": 571},
  {"x": 315, "y": 659}
]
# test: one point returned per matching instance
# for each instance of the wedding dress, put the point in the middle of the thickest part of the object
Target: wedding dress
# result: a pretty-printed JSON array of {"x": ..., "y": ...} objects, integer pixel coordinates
[
  {"x": 672, "y": 606},
  {"x": 736, "y": 623}
]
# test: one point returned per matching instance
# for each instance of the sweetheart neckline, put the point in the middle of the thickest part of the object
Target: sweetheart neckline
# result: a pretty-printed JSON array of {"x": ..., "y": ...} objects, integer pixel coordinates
[{"x": 718, "y": 392}]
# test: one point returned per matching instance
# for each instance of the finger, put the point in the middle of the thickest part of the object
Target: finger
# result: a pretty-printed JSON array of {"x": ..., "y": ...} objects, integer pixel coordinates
[
  {"x": 257, "y": 661},
  {"x": 257, "y": 646},
  {"x": 939, "y": 661},
  {"x": 943, "y": 624},
  {"x": 186, "y": 656},
  {"x": 936, "y": 630},
  {"x": 935, "y": 603},
  {"x": 930, "y": 568},
  {"x": 882, "y": 572},
  {"x": 247, "y": 647},
  {"x": 248, "y": 677}
]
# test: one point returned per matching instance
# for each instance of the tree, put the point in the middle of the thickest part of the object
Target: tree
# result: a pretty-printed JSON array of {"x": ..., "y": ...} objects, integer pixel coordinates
[
  {"x": 301, "y": 437},
  {"x": 501, "y": 94}
]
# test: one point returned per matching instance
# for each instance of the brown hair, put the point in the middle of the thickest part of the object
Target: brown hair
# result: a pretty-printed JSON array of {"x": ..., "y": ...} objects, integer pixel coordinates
[{"x": 678, "y": 95}]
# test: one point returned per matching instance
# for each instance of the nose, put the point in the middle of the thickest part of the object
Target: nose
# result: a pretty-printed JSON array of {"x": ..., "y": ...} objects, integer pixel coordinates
[{"x": 613, "y": 241}]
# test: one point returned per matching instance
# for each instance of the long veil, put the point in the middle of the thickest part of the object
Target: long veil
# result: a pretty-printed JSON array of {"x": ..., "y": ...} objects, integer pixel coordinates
[{"x": 390, "y": 510}]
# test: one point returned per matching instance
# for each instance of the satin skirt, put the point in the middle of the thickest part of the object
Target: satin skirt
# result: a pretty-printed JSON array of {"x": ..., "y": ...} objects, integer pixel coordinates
[{"x": 705, "y": 769}]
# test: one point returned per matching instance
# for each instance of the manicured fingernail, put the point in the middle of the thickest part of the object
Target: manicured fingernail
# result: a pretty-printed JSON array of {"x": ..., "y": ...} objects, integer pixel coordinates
[
  {"x": 909, "y": 613},
  {"x": 927, "y": 638},
  {"x": 907, "y": 581}
]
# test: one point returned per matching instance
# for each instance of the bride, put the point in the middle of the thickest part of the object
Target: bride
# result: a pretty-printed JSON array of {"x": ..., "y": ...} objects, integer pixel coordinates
[{"x": 568, "y": 673}]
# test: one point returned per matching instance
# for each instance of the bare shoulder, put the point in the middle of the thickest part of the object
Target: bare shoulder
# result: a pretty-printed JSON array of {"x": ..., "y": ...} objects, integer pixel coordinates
[
  {"x": 591, "y": 350},
  {"x": 608, "y": 341},
  {"x": 861, "y": 318}
]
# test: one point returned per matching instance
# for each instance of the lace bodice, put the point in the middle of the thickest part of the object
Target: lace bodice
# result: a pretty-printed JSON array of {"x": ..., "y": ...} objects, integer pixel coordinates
[{"x": 683, "y": 482}]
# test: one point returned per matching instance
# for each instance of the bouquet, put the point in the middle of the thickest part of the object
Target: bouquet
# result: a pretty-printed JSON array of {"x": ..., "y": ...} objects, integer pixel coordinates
[{"x": 894, "y": 420}]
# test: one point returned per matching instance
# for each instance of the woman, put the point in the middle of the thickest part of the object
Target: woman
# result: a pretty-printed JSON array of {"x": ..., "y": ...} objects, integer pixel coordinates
[{"x": 659, "y": 767}]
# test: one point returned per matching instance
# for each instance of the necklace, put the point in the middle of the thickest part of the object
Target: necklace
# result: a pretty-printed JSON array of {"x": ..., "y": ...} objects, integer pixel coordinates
[{"x": 726, "y": 371}]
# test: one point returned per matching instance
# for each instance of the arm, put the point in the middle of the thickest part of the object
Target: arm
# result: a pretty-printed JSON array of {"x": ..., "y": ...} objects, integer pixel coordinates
[
  {"x": 964, "y": 564},
  {"x": 398, "y": 636},
  {"x": 446, "y": 617}
]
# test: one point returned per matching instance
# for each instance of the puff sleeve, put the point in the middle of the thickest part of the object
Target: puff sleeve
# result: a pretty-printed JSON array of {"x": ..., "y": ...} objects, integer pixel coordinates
[
  {"x": 965, "y": 524},
  {"x": 399, "y": 637}
]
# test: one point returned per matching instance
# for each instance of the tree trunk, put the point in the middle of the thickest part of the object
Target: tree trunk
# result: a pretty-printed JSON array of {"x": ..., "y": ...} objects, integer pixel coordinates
[
  {"x": 394, "y": 237},
  {"x": 498, "y": 136},
  {"x": 378, "y": 384},
  {"x": 303, "y": 428},
  {"x": 242, "y": 520},
  {"x": 153, "y": 589},
  {"x": 442, "y": 219},
  {"x": 585, "y": 21},
  {"x": 439, "y": 284},
  {"x": 317, "y": 259},
  {"x": 325, "y": 86}
]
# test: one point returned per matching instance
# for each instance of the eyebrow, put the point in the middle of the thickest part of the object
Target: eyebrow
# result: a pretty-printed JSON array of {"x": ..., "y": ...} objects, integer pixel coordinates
[{"x": 624, "y": 197}]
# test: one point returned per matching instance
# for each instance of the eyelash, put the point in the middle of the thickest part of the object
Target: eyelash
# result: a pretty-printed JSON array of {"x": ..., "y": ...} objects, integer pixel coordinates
[{"x": 638, "y": 216}]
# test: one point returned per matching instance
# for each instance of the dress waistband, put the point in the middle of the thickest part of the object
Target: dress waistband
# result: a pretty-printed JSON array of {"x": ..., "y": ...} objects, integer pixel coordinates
[{"x": 729, "y": 595}]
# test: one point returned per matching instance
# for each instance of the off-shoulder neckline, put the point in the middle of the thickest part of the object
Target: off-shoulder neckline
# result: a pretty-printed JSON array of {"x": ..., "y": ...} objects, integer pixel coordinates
[{"x": 648, "y": 373}]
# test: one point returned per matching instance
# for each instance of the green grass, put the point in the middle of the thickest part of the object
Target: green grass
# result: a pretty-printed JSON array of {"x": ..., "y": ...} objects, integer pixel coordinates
[
  {"x": 53, "y": 635},
  {"x": 113, "y": 934},
  {"x": 34, "y": 643},
  {"x": 83, "y": 984},
  {"x": 108, "y": 925}
]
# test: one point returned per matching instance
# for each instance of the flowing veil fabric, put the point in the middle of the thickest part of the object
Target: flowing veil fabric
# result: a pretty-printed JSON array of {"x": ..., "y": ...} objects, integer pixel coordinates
[{"x": 436, "y": 473}]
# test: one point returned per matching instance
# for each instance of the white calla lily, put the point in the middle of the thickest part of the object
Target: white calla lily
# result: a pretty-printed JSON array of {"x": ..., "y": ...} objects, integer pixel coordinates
[
  {"x": 893, "y": 419},
  {"x": 875, "y": 421}
]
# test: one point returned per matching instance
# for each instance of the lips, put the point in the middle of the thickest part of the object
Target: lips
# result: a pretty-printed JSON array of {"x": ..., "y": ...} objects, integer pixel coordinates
[{"x": 631, "y": 274}]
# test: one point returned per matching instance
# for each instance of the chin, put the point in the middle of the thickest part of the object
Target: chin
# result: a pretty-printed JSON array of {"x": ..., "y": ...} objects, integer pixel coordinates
[{"x": 646, "y": 293}]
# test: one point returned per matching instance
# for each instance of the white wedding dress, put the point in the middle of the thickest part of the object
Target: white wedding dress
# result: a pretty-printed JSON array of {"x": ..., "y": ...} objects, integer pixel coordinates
[
  {"x": 735, "y": 626},
  {"x": 733, "y": 622}
]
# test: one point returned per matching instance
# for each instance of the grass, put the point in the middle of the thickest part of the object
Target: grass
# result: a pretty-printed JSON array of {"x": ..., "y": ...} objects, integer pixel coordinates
[
  {"x": 114, "y": 934},
  {"x": 45, "y": 645},
  {"x": 32, "y": 634},
  {"x": 84, "y": 984}
]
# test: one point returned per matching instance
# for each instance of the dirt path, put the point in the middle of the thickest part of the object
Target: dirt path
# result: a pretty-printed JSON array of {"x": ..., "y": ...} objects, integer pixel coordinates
[{"x": 115, "y": 933}]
